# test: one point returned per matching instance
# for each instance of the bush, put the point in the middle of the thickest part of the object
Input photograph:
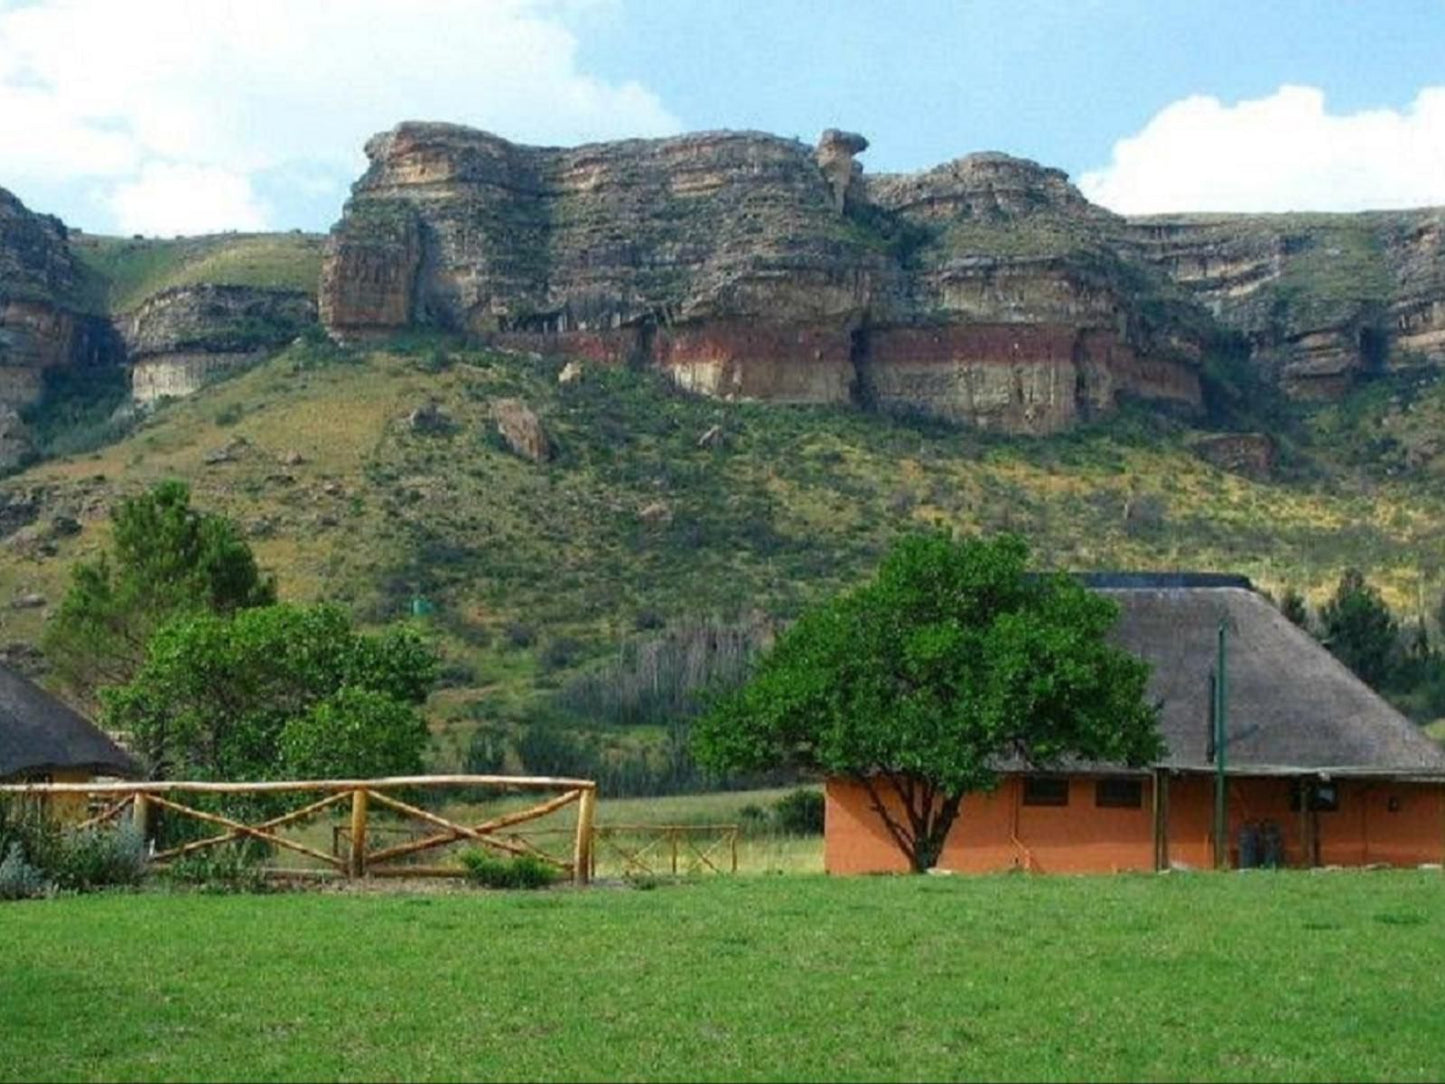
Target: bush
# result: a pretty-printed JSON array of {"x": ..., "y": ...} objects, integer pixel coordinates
[
  {"x": 235, "y": 868},
  {"x": 800, "y": 812},
  {"x": 558, "y": 654},
  {"x": 24, "y": 825},
  {"x": 100, "y": 858},
  {"x": 19, "y": 880},
  {"x": 523, "y": 871}
]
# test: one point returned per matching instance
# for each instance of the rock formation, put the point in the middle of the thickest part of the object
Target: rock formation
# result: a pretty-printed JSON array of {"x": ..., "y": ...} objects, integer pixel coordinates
[
  {"x": 522, "y": 430},
  {"x": 43, "y": 324},
  {"x": 1321, "y": 300},
  {"x": 180, "y": 338},
  {"x": 744, "y": 265}
]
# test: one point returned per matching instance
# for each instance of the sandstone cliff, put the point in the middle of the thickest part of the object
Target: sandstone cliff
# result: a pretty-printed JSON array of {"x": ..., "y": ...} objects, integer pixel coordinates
[
  {"x": 1322, "y": 300},
  {"x": 742, "y": 264},
  {"x": 184, "y": 336},
  {"x": 43, "y": 322}
]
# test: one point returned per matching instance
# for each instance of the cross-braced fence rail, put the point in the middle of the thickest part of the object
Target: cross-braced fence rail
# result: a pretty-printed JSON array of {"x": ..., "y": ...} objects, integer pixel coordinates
[
  {"x": 360, "y": 859},
  {"x": 672, "y": 848}
]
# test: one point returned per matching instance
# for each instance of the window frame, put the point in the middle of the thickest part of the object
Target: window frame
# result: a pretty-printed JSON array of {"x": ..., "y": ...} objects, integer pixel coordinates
[
  {"x": 1135, "y": 800},
  {"x": 1030, "y": 797}
]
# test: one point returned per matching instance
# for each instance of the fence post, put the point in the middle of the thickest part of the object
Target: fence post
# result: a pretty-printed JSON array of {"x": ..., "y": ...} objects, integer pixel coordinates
[
  {"x": 140, "y": 816},
  {"x": 672, "y": 836},
  {"x": 357, "y": 866},
  {"x": 582, "y": 851}
]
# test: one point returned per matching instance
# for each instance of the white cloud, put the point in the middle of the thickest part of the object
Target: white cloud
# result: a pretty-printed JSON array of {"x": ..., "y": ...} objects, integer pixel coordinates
[
  {"x": 168, "y": 198},
  {"x": 107, "y": 91},
  {"x": 1285, "y": 152}
]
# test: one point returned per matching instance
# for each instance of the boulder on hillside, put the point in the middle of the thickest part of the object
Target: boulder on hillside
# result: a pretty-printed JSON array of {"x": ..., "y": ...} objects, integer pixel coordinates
[
  {"x": 429, "y": 418},
  {"x": 522, "y": 430},
  {"x": 15, "y": 444},
  {"x": 232, "y": 450},
  {"x": 1250, "y": 454},
  {"x": 657, "y": 512}
]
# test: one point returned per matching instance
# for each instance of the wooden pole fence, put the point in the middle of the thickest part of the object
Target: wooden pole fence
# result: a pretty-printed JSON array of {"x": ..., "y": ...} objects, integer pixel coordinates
[{"x": 364, "y": 796}]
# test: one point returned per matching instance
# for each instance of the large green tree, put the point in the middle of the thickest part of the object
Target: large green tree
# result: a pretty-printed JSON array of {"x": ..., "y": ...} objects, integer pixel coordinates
[
  {"x": 924, "y": 682},
  {"x": 1360, "y": 631},
  {"x": 165, "y": 559},
  {"x": 276, "y": 692}
]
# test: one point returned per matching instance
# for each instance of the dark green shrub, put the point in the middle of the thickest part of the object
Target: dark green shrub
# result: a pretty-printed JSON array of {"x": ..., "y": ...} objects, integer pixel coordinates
[
  {"x": 800, "y": 812},
  {"x": 23, "y": 824},
  {"x": 19, "y": 880},
  {"x": 522, "y": 871},
  {"x": 100, "y": 858},
  {"x": 519, "y": 635},
  {"x": 558, "y": 654}
]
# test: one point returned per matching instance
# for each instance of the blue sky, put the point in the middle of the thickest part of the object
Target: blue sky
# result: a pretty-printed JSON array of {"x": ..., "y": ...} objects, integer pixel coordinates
[
  {"x": 170, "y": 116},
  {"x": 1059, "y": 81}
]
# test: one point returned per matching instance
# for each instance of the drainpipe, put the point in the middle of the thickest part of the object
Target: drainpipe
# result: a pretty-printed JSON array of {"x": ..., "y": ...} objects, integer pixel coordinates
[{"x": 1221, "y": 812}]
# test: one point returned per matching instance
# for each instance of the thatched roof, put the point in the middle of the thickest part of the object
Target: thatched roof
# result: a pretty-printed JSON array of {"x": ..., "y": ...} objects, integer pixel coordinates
[
  {"x": 39, "y": 734},
  {"x": 1291, "y": 704}
]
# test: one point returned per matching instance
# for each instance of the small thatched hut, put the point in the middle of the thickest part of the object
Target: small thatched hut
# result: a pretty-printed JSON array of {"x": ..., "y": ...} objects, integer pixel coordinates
[
  {"x": 1319, "y": 769},
  {"x": 44, "y": 741}
]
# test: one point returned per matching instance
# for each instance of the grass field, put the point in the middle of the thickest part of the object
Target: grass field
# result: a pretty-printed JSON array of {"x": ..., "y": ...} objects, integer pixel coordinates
[{"x": 1263, "y": 976}]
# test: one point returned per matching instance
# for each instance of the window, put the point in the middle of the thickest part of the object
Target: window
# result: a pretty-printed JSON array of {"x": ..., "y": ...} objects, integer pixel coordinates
[
  {"x": 1119, "y": 793},
  {"x": 1324, "y": 797},
  {"x": 1045, "y": 790}
]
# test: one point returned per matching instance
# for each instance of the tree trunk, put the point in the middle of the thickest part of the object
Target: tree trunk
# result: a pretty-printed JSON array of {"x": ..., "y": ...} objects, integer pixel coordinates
[{"x": 929, "y": 818}]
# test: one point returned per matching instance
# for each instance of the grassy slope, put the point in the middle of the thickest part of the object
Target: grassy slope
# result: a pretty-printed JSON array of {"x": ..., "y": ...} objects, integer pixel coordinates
[
  {"x": 797, "y": 502},
  {"x": 126, "y": 271},
  {"x": 1207, "y": 977}
]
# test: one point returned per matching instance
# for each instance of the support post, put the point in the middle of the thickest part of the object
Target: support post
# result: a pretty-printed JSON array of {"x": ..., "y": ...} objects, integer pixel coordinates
[
  {"x": 1309, "y": 823},
  {"x": 672, "y": 836},
  {"x": 140, "y": 816},
  {"x": 582, "y": 851},
  {"x": 356, "y": 867},
  {"x": 1161, "y": 819},
  {"x": 1221, "y": 809}
]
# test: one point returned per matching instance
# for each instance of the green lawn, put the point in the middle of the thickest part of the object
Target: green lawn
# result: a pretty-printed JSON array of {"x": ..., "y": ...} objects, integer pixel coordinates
[{"x": 1279, "y": 976}]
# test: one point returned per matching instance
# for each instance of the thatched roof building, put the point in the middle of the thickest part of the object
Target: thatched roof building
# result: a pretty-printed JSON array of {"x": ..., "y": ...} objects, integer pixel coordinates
[
  {"x": 41, "y": 736},
  {"x": 1319, "y": 769},
  {"x": 1291, "y": 705}
]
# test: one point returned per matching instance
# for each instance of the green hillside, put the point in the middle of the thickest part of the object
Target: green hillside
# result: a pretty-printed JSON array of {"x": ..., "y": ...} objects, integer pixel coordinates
[
  {"x": 535, "y": 573},
  {"x": 126, "y": 271}
]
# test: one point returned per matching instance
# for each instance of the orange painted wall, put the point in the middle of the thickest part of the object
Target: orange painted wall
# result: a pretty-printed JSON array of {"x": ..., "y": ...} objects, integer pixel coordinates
[
  {"x": 996, "y": 831},
  {"x": 1191, "y": 818},
  {"x": 1364, "y": 830}
]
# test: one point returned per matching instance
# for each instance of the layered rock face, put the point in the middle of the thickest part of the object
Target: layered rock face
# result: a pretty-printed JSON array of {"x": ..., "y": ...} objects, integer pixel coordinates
[
  {"x": 42, "y": 325},
  {"x": 743, "y": 265},
  {"x": 1322, "y": 300},
  {"x": 181, "y": 338}
]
